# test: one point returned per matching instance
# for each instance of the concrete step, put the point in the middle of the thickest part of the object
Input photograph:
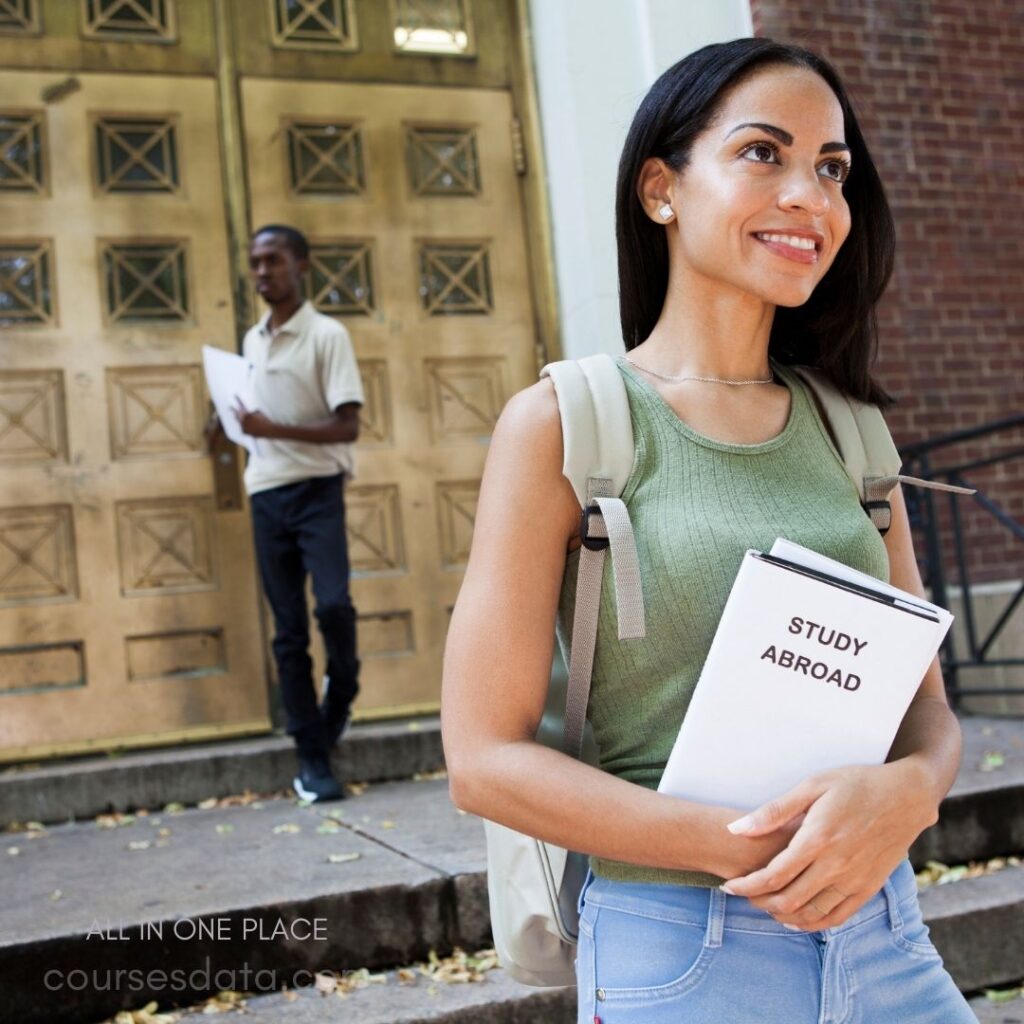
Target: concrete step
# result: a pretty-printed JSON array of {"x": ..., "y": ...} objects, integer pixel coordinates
[
  {"x": 980, "y": 818},
  {"x": 988, "y": 1012},
  {"x": 238, "y": 890},
  {"x": 978, "y": 927},
  {"x": 85, "y": 787},
  {"x": 497, "y": 999},
  {"x": 223, "y": 888},
  {"x": 229, "y": 892}
]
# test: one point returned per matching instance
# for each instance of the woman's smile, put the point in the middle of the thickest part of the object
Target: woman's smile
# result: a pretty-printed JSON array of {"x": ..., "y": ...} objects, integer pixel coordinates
[{"x": 800, "y": 247}]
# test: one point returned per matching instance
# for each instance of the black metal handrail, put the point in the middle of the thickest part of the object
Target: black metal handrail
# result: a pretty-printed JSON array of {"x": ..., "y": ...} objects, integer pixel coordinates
[{"x": 921, "y": 505}]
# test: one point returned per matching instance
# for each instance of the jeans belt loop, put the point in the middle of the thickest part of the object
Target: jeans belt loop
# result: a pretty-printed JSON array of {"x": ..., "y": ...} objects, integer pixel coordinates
[
  {"x": 716, "y": 919},
  {"x": 892, "y": 905}
]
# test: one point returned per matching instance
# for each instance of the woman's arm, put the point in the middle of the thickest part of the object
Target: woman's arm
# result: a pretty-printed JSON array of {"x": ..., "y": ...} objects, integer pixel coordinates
[
  {"x": 859, "y": 822},
  {"x": 498, "y": 664}
]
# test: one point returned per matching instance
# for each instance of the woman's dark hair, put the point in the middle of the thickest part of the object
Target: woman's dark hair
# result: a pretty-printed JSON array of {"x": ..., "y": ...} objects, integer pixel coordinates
[
  {"x": 836, "y": 329},
  {"x": 293, "y": 238}
]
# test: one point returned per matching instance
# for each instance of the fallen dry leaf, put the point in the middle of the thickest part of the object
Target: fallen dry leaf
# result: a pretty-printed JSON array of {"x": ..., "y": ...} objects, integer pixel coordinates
[
  {"x": 937, "y": 873},
  {"x": 1004, "y": 995},
  {"x": 350, "y": 981},
  {"x": 325, "y": 982},
  {"x": 147, "y": 1015},
  {"x": 225, "y": 1002},
  {"x": 992, "y": 760},
  {"x": 289, "y": 829},
  {"x": 115, "y": 820},
  {"x": 342, "y": 858}
]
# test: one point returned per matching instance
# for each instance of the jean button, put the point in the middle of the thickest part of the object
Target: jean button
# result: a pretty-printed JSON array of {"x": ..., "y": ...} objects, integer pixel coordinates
[{"x": 600, "y": 995}]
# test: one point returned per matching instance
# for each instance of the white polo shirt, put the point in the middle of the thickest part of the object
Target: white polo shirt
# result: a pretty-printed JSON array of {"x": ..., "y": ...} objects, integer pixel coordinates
[{"x": 300, "y": 374}]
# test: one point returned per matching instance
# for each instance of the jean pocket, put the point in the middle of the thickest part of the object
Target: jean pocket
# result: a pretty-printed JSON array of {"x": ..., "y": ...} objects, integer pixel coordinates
[
  {"x": 674, "y": 957},
  {"x": 912, "y": 934}
]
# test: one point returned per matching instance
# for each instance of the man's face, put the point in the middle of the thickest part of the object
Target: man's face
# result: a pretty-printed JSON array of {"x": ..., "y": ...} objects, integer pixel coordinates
[{"x": 275, "y": 268}]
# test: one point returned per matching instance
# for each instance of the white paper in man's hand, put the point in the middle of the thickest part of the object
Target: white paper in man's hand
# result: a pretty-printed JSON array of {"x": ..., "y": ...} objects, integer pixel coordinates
[{"x": 227, "y": 379}]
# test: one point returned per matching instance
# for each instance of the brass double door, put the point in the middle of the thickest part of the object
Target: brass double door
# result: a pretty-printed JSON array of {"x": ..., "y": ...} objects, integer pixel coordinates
[{"x": 129, "y": 602}]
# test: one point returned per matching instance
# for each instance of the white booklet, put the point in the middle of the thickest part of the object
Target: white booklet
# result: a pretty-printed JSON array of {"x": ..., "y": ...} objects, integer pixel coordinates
[
  {"x": 228, "y": 381},
  {"x": 813, "y": 667}
]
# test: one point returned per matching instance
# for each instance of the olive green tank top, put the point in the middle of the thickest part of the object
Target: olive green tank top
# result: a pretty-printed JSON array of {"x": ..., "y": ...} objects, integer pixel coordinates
[{"x": 697, "y": 505}]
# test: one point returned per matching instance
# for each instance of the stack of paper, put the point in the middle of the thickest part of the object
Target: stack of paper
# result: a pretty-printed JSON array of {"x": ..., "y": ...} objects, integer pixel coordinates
[
  {"x": 813, "y": 667},
  {"x": 228, "y": 379}
]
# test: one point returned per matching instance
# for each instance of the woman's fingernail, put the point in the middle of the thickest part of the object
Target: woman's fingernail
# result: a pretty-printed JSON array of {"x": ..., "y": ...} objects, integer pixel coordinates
[
  {"x": 725, "y": 888},
  {"x": 791, "y": 927},
  {"x": 741, "y": 825}
]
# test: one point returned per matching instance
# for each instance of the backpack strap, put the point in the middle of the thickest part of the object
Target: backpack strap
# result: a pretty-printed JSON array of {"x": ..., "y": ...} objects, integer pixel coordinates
[
  {"x": 597, "y": 442},
  {"x": 597, "y": 431},
  {"x": 866, "y": 448}
]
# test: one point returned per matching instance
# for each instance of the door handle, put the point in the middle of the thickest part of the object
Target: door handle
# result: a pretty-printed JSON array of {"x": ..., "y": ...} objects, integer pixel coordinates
[{"x": 227, "y": 487}]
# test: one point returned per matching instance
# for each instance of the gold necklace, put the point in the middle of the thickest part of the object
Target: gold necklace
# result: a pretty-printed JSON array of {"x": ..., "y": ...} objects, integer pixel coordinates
[{"x": 703, "y": 380}]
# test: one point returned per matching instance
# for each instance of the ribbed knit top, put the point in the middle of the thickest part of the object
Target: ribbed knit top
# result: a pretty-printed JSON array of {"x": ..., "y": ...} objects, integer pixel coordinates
[{"x": 697, "y": 505}]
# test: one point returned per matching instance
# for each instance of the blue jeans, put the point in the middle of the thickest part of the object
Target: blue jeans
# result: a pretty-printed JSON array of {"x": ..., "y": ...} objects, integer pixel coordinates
[
  {"x": 664, "y": 954},
  {"x": 299, "y": 529}
]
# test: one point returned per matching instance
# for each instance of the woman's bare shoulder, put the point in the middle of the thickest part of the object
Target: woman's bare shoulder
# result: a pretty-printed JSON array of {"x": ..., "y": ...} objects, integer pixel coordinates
[
  {"x": 526, "y": 453},
  {"x": 533, "y": 411}
]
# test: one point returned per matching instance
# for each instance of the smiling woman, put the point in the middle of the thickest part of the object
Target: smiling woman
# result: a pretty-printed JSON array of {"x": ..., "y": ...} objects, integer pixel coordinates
[{"x": 753, "y": 234}]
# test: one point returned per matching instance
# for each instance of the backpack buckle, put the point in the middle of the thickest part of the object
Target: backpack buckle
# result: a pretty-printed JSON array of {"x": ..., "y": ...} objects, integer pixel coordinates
[
  {"x": 591, "y": 543},
  {"x": 880, "y": 514}
]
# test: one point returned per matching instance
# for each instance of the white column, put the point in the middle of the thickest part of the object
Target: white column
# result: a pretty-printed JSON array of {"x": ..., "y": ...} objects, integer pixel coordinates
[{"x": 594, "y": 60}]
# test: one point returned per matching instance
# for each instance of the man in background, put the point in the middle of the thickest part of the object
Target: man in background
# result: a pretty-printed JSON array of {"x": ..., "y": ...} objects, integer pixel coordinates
[{"x": 307, "y": 393}]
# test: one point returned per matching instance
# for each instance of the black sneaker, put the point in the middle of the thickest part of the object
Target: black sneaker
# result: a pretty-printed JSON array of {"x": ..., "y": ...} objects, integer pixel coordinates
[
  {"x": 315, "y": 781},
  {"x": 336, "y": 709}
]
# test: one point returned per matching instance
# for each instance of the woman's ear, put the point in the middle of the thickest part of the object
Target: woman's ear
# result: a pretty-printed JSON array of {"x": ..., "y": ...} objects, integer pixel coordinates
[{"x": 654, "y": 188}]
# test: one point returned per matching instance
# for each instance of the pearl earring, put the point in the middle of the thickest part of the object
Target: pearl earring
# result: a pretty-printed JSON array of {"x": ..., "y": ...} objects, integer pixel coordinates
[{"x": 666, "y": 211}]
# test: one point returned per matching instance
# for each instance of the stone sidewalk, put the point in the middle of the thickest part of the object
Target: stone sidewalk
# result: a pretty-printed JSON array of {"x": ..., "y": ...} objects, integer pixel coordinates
[{"x": 393, "y": 873}]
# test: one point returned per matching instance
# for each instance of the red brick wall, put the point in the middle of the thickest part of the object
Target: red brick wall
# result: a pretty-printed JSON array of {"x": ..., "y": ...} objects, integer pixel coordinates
[{"x": 939, "y": 88}]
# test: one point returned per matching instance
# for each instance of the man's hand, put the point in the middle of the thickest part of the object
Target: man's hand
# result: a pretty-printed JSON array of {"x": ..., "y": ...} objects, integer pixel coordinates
[
  {"x": 212, "y": 432},
  {"x": 858, "y": 825},
  {"x": 254, "y": 423}
]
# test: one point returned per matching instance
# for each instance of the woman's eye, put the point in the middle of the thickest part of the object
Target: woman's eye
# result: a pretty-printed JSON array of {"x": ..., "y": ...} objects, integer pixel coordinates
[
  {"x": 761, "y": 153},
  {"x": 837, "y": 170}
]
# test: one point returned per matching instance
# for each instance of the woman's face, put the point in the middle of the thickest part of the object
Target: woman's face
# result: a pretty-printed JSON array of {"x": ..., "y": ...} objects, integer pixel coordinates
[{"x": 760, "y": 203}]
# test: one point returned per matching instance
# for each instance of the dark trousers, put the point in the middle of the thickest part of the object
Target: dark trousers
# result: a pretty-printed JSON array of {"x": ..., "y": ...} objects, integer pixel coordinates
[{"x": 299, "y": 529}]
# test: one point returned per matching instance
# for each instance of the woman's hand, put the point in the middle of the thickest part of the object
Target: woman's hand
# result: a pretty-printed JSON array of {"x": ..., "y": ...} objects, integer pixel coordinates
[
  {"x": 858, "y": 825},
  {"x": 736, "y": 855}
]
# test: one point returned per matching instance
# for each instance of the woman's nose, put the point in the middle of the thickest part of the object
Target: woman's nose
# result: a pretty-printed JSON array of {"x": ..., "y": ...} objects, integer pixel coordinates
[{"x": 805, "y": 192}]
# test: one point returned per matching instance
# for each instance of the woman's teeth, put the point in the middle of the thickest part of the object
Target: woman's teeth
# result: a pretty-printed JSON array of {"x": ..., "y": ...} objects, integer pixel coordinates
[{"x": 796, "y": 241}]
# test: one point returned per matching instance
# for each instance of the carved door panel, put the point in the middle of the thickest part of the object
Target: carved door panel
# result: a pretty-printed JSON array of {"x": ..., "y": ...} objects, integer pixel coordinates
[
  {"x": 128, "y": 599},
  {"x": 410, "y": 200}
]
